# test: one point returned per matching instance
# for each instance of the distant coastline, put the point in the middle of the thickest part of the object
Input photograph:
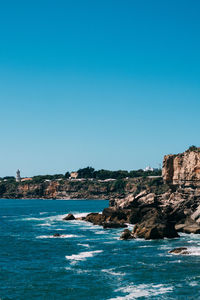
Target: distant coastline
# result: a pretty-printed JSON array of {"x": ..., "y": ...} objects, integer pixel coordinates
[{"x": 66, "y": 189}]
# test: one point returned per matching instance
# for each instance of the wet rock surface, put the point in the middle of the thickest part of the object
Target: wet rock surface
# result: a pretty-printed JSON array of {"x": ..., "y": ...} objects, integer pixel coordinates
[
  {"x": 126, "y": 235},
  {"x": 114, "y": 225},
  {"x": 56, "y": 235},
  {"x": 69, "y": 217},
  {"x": 154, "y": 225},
  {"x": 180, "y": 250}
]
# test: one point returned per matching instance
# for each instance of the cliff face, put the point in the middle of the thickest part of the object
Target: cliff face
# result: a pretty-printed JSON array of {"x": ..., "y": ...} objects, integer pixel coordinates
[
  {"x": 86, "y": 189},
  {"x": 182, "y": 168},
  {"x": 178, "y": 205}
]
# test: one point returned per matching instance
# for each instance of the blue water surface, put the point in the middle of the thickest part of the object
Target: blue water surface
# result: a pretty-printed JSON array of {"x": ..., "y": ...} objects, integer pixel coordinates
[{"x": 87, "y": 261}]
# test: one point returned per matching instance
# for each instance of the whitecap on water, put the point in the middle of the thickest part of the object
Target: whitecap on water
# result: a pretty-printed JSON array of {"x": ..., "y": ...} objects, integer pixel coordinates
[
  {"x": 193, "y": 251},
  {"x": 112, "y": 272},
  {"x": 142, "y": 290},
  {"x": 82, "y": 255},
  {"x": 84, "y": 245},
  {"x": 101, "y": 232},
  {"x": 62, "y": 236},
  {"x": 80, "y": 215}
]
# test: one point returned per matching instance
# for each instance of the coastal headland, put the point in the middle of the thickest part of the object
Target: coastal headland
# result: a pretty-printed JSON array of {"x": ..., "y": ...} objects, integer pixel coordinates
[
  {"x": 158, "y": 206},
  {"x": 163, "y": 207}
]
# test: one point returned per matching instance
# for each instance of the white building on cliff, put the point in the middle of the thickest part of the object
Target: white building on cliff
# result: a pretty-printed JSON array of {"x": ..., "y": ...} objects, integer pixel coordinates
[{"x": 18, "y": 177}]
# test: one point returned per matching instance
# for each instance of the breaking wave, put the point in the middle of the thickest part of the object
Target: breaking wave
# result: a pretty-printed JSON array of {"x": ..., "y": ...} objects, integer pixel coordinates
[
  {"x": 142, "y": 290},
  {"x": 82, "y": 255}
]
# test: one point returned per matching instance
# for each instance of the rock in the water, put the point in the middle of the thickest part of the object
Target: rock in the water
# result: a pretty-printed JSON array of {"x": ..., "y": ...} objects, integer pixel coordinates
[
  {"x": 80, "y": 218},
  {"x": 69, "y": 217},
  {"x": 114, "y": 214},
  {"x": 180, "y": 250},
  {"x": 126, "y": 235},
  {"x": 194, "y": 228},
  {"x": 114, "y": 225},
  {"x": 94, "y": 218},
  {"x": 56, "y": 235},
  {"x": 189, "y": 226},
  {"x": 154, "y": 225}
]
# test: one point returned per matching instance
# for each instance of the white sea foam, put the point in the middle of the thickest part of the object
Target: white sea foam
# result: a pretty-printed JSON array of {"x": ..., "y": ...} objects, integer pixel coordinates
[
  {"x": 193, "y": 250},
  {"x": 46, "y": 220},
  {"x": 62, "y": 236},
  {"x": 44, "y": 224},
  {"x": 82, "y": 255},
  {"x": 193, "y": 283},
  {"x": 101, "y": 232},
  {"x": 189, "y": 251},
  {"x": 142, "y": 290},
  {"x": 112, "y": 272},
  {"x": 84, "y": 245},
  {"x": 80, "y": 215},
  {"x": 145, "y": 246}
]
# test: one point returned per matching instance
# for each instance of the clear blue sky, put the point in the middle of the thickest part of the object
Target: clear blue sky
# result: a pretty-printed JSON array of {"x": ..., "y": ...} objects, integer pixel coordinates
[{"x": 111, "y": 84}]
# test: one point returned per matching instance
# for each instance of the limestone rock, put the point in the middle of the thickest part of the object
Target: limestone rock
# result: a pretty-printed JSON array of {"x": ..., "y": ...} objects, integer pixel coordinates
[
  {"x": 154, "y": 225},
  {"x": 182, "y": 167}
]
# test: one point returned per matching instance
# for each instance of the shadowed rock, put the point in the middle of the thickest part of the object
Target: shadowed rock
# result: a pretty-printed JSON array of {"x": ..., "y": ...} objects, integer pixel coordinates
[
  {"x": 56, "y": 235},
  {"x": 154, "y": 225},
  {"x": 114, "y": 225},
  {"x": 69, "y": 217},
  {"x": 180, "y": 250},
  {"x": 126, "y": 235},
  {"x": 94, "y": 218}
]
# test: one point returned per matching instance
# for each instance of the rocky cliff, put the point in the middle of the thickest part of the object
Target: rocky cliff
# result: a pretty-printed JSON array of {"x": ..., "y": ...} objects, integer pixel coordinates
[
  {"x": 175, "y": 209},
  {"x": 85, "y": 189},
  {"x": 182, "y": 168}
]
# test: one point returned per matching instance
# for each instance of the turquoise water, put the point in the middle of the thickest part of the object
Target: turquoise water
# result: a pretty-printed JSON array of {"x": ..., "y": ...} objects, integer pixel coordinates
[{"x": 87, "y": 262}]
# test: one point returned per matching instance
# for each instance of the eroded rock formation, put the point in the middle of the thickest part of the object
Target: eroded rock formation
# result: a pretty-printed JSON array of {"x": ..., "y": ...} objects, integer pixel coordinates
[
  {"x": 182, "y": 168},
  {"x": 174, "y": 209}
]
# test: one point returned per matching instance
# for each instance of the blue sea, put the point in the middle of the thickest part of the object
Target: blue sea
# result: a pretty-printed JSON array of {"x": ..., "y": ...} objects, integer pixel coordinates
[{"x": 87, "y": 262}]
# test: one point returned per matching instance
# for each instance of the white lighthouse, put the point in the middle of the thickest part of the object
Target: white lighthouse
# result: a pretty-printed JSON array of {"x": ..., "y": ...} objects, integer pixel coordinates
[{"x": 18, "y": 177}]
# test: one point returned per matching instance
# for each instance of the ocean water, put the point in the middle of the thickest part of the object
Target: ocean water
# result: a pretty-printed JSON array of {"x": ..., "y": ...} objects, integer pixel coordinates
[{"x": 87, "y": 262}]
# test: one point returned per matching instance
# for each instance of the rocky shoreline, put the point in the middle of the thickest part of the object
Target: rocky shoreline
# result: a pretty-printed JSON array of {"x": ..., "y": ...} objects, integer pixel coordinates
[{"x": 159, "y": 215}]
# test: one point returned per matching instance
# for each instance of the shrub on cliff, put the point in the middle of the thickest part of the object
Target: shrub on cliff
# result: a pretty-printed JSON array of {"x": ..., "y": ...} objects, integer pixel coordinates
[
  {"x": 119, "y": 185},
  {"x": 86, "y": 172},
  {"x": 2, "y": 189},
  {"x": 193, "y": 148}
]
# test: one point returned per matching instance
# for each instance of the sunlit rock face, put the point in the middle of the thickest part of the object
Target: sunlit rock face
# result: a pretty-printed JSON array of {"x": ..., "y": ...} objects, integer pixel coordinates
[{"x": 182, "y": 168}]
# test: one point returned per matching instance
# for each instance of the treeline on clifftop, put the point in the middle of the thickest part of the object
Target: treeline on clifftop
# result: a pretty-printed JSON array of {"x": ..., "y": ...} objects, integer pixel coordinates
[{"x": 91, "y": 173}]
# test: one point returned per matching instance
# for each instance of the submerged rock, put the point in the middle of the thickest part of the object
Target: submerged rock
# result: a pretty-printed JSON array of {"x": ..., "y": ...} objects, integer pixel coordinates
[
  {"x": 180, "y": 250},
  {"x": 56, "y": 235},
  {"x": 126, "y": 235},
  {"x": 69, "y": 217}
]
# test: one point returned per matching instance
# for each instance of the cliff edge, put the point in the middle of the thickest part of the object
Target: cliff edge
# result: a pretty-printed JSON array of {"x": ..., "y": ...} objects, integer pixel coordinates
[
  {"x": 176, "y": 208},
  {"x": 182, "y": 168}
]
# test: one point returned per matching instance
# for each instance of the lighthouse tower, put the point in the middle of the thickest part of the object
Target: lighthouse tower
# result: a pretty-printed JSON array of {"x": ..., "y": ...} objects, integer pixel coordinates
[{"x": 18, "y": 177}]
